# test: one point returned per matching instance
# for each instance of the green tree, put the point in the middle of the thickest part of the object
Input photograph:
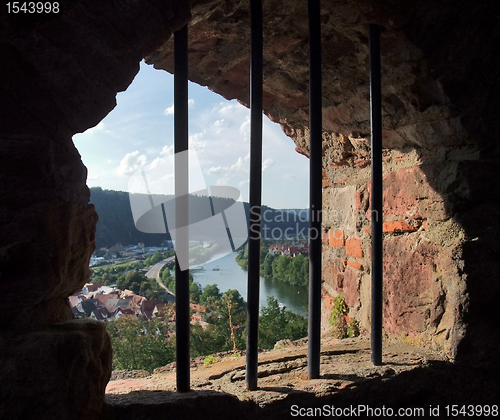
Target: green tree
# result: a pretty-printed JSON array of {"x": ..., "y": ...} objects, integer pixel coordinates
[
  {"x": 134, "y": 277},
  {"x": 226, "y": 317},
  {"x": 266, "y": 268},
  {"x": 280, "y": 268},
  {"x": 136, "y": 282},
  {"x": 276, "y": 324},
  {"x": 209, "y": 295},
  {"x": 145, "y": 288},
  {"x": 120, "y": 282},
  {"x": 242, "y": 257},
  {"x": 156, "y": 258},
  {"x": 194, "y": 292},
  {"x": 140, "y": 344},
  {"x": 295, "y": 274},
  {"x": 305, "y": 271},
  {"x": 264, "y": 249},
  {"x": 204, "y": 341},
  {"x": 166, "y": 276},
  {"x": 153, "y": 294}
]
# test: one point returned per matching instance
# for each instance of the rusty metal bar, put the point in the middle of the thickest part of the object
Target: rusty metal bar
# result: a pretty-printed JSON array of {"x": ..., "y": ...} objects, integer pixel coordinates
[
  {"x": 255, "y": 195},
  {"x": 315, "y": 189},
  {"x": 376, "y": 194},
  {"x": 182, "y": 317}
]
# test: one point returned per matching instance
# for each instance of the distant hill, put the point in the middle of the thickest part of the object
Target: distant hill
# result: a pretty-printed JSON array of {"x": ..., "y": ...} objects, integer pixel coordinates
[
  {"x": 303, "y": 213},
  {"x": 116, "y": 224}
]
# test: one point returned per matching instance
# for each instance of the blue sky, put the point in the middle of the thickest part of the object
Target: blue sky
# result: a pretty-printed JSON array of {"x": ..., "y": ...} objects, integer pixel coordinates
[{"x": 140, "y": 130}]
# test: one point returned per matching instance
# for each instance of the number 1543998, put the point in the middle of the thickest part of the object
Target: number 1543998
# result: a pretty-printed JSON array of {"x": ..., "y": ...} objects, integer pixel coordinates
[{"x": 32, "y": 7}]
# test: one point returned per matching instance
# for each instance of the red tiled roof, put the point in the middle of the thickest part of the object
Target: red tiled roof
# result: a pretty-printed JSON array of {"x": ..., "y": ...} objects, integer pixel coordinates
[
  {"x": 111, "y": 309},
  {"x": 151, "y": 307},
  {"x": 93, "y": 287},
  {"x": 101, "y": 298},
  {"x": 128, "y": 311},
  {"x": 148, "y": 305}
]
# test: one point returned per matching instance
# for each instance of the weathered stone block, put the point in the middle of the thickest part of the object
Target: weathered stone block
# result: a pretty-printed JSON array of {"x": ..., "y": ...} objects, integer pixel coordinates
[
  {"x": 353, "y": 247},
  {"x": 339, "y": 209},
  {"x": 48, "y": 231},
  {"x": 336, "y": 238},
  {"x": 351, "y": 288},
  {"x": 398, "y": 226},
  {"x": 333, "y": 274},
  {"x": 61, "y": 370},
  {"x": 355, "y": 265},
  {"x": 408, "y": 194},
  {"x": 414, "y": 293}
]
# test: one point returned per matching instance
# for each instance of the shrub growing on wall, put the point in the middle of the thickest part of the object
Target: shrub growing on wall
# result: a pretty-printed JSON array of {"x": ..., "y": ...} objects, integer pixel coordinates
[{"x": 342, "y": 326}]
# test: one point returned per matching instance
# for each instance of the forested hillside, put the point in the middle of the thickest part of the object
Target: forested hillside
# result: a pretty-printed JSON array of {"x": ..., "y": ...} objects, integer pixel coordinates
[{"x": 116, "y": 224}]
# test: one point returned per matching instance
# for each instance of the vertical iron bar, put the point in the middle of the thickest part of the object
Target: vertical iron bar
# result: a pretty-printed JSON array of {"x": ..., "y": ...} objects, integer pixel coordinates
[
  {"x": 181, "y": 211},
  {"x": 376, "y": 194},
  {"x": 255, "y": 195},
  {"x": 315, "y": 189}
]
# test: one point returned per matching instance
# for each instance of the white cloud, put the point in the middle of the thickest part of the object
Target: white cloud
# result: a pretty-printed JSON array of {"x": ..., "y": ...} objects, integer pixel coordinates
[
  {"x": 214, "y": 170},
  {"x": 195, "y": 141},
  {"x": 219, "y": 126},
  {"x": 245, "y": 130},
  {"x": 167, "y": 150},
  {"x": 164, "y": 159},
  {"x": 131, "y": 163},
  {"x": 222, "y": 181},
  {"x": 267, "y": 163},
  {"x": 171, "y": 109},
  {"x": 229, "y": 109},
  {"x": 240, "y": 166}
]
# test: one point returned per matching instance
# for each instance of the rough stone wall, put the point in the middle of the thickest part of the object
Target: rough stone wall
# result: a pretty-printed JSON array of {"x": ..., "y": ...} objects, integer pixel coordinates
[
  {"x": 59, "y": 75},
  {"x": 424, "y": 283},
  {"x": 438, "y": 126}
]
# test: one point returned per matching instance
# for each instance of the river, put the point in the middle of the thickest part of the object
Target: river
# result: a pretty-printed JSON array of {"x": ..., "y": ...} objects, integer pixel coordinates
[{"x": 231, "y": 276}]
